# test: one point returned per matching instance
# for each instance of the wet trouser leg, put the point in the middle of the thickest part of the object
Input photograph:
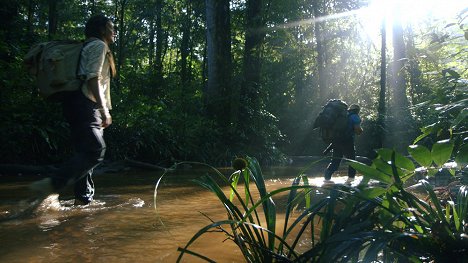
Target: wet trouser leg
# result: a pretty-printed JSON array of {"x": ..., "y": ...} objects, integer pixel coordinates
[
  {"x": 350, "y": 152},
  {"x": 87, "y": 138},
  {"x": 335, "y": 162},
  {"x": 340, "y": 149},
  {"x": 84, "y": 188}
]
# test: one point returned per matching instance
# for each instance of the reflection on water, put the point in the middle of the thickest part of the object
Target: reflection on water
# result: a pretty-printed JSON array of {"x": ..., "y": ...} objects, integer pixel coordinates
[{"x": 121, "y": 225}]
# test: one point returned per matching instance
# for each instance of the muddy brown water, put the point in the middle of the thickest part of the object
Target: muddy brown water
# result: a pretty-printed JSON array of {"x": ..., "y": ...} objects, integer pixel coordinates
[{"x": 122, "y": 224}]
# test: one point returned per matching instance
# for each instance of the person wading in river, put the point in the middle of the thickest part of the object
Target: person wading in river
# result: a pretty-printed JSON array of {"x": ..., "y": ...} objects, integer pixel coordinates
[
  {"x": 344, "y": 145},
  {"x": 87, "y": 112}
]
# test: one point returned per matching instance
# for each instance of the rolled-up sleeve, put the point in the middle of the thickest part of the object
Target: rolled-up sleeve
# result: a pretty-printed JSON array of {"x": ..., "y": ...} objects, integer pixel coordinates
[{"x": 95, "y": 54}]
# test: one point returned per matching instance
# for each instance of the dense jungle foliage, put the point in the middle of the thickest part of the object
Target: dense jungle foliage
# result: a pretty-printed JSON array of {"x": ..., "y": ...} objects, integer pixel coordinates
[{"x": 207, "y": 80}]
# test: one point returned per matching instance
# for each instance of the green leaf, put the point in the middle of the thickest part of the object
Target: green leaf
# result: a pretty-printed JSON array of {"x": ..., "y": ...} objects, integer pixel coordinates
[
  {"x": 425, "y": 132},
  {"x": 373, "y": 173},
  {"x": 441, "y": 152},
  {"x": 247, "y": 185},
  {"x": 382, "y": 166},
  {"x": 462, "y": 116},
  {"x": 447, "y": 212},
  {"x": 462, "y": 155},
  {"x": 385, "y": 154},
  {"x": 456, "y": 219},
  {"x": 374, "y": 192},
  {"x": 419, "y": 229},
  {"x": 432, "y": 172},
  {"x": 421, "y": 154},
  {"x": 308, "y": 195},
  {"x": 400, "y": 160},
  {"x": 235, "y": 180}
]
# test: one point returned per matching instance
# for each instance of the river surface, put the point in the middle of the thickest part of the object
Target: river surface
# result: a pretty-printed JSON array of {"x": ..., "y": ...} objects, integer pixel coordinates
[{"x": 122, "y": 224}]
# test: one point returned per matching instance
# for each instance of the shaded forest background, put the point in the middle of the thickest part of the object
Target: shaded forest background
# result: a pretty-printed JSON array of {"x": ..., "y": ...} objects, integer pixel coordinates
[{"x": 208, "y": 80}]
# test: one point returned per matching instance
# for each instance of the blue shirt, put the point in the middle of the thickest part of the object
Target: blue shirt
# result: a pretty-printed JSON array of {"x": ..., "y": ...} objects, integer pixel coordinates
[{"x": 353, "y": 120}]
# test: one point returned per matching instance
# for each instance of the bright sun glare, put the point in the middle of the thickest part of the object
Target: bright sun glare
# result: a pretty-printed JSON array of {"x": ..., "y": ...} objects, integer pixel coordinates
[{"x": 409, "y": 11}]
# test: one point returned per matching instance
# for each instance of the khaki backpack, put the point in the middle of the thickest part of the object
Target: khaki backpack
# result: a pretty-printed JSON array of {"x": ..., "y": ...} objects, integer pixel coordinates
[{"x": 55, "y": 66}]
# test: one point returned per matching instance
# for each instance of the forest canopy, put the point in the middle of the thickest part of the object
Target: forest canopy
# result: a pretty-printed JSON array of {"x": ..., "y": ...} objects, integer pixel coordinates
[{"x": 208, "y": 80}]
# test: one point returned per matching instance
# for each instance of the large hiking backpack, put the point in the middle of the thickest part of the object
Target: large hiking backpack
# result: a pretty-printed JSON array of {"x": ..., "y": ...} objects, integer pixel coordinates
[
  {"x": 332, "y": 120},
  {"x": 55, "y": 66}
]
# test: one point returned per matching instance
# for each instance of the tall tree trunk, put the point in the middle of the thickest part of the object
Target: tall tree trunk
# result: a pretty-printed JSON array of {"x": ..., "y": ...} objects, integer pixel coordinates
[
  {"x": 321, "y": 51},
  {"x": 251, "y": 88},
  {"x": 159, "y": 45},
  {"x": 9, "y": 30},
  {"x": 53, "y": 18},
  {"x": 121, "y": 43},
  {"x": 401, "y": 123},
  {"x": 29, "y": 27},
  {"x": 151, "y": 42},
  {"x": 184, "y": 46},
  {"x": 414, "y": 70},
  {"x": 383, "y": 90},
  {"x": 400, "y": 101},
  {"x": 219, "y": 60}
]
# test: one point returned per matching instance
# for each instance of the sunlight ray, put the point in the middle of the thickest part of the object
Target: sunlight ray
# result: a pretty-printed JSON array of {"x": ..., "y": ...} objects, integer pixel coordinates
[{"x": 316, "y": 19}]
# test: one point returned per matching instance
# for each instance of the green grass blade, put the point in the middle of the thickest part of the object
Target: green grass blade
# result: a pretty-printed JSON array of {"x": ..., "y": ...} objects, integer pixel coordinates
[
  {"x": 190, "y": 252},
  {"x": 202, "y": 231},
  {"x": 462, "y": 204},
  {"x": 289, "y": 206},
  {"x": 269, "y": 206},
  {"x": 234, "y": 181},
  {"x": 247, "y": 184}
]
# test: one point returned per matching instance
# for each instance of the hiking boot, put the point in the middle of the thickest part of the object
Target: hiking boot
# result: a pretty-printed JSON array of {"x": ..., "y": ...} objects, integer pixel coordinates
[
  {"x": 42, "y": 187},
  {"x": 328, "y": 175}
]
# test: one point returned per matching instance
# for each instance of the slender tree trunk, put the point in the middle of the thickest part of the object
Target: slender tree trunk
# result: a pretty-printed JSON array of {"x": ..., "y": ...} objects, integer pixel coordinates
[
  {"x": 121, "y": 40},
  {"x": 184, "y": 47},
  {"x": 53, "y": 18},
  {"x": 251, "y": 88},
  {"x": 205, "y": 66},
  {"x": 401, "y": 121},
  {"x": 29, "y": 28},
  {"x": 219, "y": 60},
  {"x": 159, "y": 44},
  {"x": 414, "y": 70},
  {"x": 383, "y": 82},
  {"x": 321, "y": 51},
  {"x": 399, "y": 79},
  {"x": 151, "y": 43}
]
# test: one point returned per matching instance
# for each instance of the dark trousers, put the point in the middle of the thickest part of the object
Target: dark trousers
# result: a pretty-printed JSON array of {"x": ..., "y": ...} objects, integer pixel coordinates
[
  {"x": 87, "y": 138},
  {"x": 340, "y": 149}
]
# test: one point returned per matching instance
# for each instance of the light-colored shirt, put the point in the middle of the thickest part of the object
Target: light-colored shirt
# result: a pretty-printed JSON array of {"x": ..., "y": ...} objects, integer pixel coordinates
[{"x": 95, "y": 63}]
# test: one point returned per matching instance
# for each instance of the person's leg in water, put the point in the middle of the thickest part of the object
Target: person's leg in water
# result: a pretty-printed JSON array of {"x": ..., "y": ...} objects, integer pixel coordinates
[
  {"x": 87, "y": 138},
  {"x": 335, "y": 162},
  {"x": 87, "y": 133},
  {"x": 349, "y": 151},
  {"x": 84, "y": 189}
]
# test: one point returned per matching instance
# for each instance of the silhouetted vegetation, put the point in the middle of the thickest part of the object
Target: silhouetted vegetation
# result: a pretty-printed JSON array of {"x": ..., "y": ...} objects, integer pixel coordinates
[{"x": 255, "y": 90}]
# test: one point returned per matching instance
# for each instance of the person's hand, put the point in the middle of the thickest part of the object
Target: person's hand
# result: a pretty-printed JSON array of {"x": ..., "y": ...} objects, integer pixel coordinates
[
  {"x": 106, "y": 118},
  {"x": 107, "y": 121}
]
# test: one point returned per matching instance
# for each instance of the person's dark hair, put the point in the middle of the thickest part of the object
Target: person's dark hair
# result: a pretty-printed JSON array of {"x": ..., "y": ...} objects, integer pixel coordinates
[
  {"x": 96, "y": 26},
  {"x": 354, "y": 108}
]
